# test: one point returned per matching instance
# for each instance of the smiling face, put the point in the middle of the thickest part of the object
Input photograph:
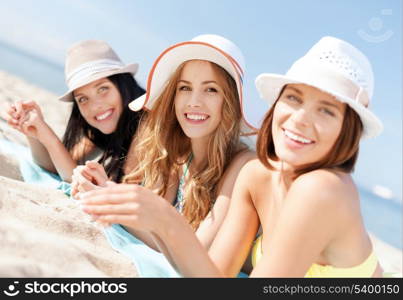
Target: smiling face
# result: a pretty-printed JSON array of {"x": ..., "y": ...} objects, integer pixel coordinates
[
  {"x": 100, "y": 104},
  {"x": 306, "y": 124},
  {"x": 199, "y": 99}
]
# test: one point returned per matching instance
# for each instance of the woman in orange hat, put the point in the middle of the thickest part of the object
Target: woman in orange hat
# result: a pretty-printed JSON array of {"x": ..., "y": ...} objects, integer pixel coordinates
[{"x": 188, "y": 148}]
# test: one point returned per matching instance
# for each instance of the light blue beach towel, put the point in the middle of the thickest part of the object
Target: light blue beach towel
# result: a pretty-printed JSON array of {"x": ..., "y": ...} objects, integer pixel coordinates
[
  {"x": 148, "y": 262},
  {"x": 30, "y": 171}
]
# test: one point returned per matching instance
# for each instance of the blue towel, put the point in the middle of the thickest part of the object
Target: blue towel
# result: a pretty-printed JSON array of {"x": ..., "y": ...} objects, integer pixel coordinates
[
  {"x": 148, "y": 262},
  {"x": 30, "y": 171}
]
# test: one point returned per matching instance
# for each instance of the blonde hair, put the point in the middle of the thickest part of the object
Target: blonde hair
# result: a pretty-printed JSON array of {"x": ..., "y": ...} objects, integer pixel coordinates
[{"x": 161, "y": 148}]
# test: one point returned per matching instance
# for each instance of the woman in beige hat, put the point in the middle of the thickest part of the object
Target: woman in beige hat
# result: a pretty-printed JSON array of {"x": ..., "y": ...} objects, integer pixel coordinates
[
  {"x": 188, "y": 148},
  {"x": 100, "y": 123},
  {"x": 300, "y": 191}
]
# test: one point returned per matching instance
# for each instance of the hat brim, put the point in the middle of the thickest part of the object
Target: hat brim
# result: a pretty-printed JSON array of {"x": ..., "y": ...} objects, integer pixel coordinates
[
  {"x": 270, "y": 85},
  {"x": 169, "y": 60},
  {"x": 68, "y": 96}
]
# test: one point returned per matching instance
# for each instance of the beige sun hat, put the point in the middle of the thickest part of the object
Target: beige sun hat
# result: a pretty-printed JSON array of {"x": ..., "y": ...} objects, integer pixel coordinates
[
  {"x": 209, "y": 47},
  {"x": 335, "y": 67},
  {"x": 91, "y": 60}
]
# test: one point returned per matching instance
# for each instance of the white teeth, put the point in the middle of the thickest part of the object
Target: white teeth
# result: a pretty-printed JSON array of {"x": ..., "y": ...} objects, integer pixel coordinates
[
  {"x": 196, "y": 117},
  {"x": 104, "y": 115},
  {"x": 296, "y": 137}
]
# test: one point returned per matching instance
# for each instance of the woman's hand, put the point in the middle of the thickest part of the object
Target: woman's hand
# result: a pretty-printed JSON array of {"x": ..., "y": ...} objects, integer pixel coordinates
[
  {"x": 128, "y": 204},
  {"x": 88, "y": 177},
  {"x": 13, "y": 113},
  {"x": 26, "y": 117}
]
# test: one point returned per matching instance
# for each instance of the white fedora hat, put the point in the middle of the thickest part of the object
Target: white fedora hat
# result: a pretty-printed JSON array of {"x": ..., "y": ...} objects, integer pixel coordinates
[
  {"x": 91, "y": 60},
  {"x": 333, "y": 66},
  {"x": 209, "y": 47}
]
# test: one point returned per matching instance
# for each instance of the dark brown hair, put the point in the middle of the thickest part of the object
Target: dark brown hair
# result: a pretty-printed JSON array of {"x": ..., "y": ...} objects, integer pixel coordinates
[{"x": 115, "y": 145}]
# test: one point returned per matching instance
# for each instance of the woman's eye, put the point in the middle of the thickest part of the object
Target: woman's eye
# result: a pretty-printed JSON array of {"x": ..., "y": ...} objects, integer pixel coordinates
[
  {"x": 102, "y": 89},
  {"x": 294, "y": 98},
  {"x": 212, "y": 90},
  {"x": 81, "y": 100},
  {"x": 184, "y": 88},
  {"x": 327, "y": 111}
]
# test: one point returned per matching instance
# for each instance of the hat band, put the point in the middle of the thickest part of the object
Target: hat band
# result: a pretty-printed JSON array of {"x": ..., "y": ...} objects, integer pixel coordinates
[
  {"x": 88, "y": 69},
  {"x": 328, "y": 80}
]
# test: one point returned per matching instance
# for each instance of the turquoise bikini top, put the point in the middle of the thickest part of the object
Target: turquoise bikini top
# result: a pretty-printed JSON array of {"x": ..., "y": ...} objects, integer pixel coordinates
[{"x": 180, "y": 200}]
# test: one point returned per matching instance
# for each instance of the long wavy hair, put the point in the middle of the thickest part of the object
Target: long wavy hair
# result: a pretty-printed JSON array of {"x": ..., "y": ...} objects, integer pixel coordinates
[
  {"x": 80, "y": 137},
  {"x": 162, "y": 147},
  {"x": 342, "y": 156}
]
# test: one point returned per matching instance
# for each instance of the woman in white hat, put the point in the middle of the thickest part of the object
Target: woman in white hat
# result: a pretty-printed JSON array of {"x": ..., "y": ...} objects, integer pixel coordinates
[
  {"x": 307, "y": 148},
  {"x": 188, "y": 148},
  {"x": 100, "y": 123},
  {"x": 300, "y": 191}
]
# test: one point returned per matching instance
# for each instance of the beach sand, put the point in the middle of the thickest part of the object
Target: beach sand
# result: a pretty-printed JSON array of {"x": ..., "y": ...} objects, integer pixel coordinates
[{"x": 43, "y": 233}]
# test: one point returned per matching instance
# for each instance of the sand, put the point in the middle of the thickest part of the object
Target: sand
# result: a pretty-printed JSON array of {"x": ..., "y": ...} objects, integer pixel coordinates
[{"x": 43, "y": 233}]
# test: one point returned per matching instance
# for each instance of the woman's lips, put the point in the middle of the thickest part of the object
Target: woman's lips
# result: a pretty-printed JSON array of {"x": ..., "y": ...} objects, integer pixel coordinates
[
  {"x": 295, "y": 141},
  {"x": 105, "y": 115},
  {"x": 196, "y": 118}
]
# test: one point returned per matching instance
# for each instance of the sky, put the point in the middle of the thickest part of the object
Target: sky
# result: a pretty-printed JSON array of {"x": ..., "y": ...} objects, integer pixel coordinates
[{"x": 271, "y": 35}]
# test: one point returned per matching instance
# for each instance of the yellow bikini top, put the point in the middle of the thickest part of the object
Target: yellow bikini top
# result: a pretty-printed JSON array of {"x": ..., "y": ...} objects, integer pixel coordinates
[{"x": 365, "y": 269}]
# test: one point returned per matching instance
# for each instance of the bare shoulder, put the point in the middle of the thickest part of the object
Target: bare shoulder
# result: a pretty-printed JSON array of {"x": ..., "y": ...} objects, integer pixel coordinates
[
  {"x": 326, "y": 189},
  {"x": 326, "y": 181},
  {"x": 253, "y": 170},
  {"x": 242, "y": 158},
  {"x": 256, "y": 168},
  {"x": 232, "y": 172},
  {"x": 251, "y": 174}
]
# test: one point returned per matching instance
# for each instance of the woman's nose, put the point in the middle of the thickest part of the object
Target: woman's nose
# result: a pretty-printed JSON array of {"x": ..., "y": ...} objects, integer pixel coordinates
[
  {"x": 194, "y": 99},
  {"x": 301, "y": 116}
]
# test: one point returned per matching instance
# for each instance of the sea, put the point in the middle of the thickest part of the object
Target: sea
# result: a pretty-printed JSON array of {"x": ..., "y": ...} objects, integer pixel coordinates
[{"x": 382, "y": 214}]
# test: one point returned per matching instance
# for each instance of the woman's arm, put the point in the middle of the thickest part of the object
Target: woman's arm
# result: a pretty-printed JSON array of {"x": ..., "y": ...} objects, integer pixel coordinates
[
  {"x": 47, "y": 150},
  {"x": 40, "y": 155},
  {"x": 16, "y": 114},
  {"x": 50, "y": 146},
  {"x": 140, "y": 208},
  {"x": 231, "y": 244},
  {"x": 209, "y": 227},
  {"x": 149, "y": 238}
]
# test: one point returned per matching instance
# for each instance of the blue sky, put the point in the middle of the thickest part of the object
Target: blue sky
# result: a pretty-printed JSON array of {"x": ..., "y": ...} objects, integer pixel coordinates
[{"x": 271, "y": 34}]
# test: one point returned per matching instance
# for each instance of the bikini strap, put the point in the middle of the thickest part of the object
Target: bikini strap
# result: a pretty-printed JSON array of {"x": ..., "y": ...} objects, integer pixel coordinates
[{"x": 180, "y": 200}]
